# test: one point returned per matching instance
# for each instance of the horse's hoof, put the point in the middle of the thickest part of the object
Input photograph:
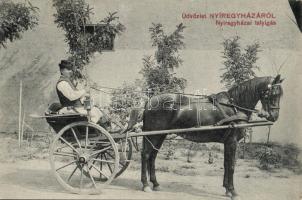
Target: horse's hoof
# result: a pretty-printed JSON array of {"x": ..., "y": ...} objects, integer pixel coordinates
[
  {"x": 157, "y": 188},
  {"x": 147, "y": 189},
  {"x": 234, "y": 193},
  {"x": 228, "y": 194}
]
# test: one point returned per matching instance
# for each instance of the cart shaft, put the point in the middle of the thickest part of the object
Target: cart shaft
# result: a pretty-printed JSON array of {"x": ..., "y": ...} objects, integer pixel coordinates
[{"x": 191, "y": 130}]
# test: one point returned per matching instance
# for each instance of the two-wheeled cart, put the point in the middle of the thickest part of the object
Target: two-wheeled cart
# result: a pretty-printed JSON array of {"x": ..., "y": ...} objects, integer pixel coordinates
[{"x": 85, "y": 157}]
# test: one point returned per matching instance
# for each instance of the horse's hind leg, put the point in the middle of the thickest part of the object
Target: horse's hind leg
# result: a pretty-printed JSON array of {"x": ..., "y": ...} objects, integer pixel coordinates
[
  {"x": 152, "y": 162},
  {"x": 145, "y": 156}
]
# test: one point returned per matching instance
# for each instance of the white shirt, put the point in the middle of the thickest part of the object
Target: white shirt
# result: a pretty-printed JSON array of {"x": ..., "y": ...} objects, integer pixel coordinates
[{"x": 68, "y": 92}]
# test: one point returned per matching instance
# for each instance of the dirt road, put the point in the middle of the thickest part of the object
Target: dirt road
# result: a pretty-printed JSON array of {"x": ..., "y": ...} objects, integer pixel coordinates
[{"x": 33, "y": 179}]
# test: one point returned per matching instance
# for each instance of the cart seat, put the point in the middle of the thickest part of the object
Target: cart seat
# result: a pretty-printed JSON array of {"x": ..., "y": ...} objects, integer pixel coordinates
[
  {"x": 54, "y": 108},
  {"x": 58, "y": 122}
]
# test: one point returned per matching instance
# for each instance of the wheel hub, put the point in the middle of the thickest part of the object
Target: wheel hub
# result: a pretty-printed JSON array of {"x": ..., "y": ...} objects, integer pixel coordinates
[{"x": 83, "y": 158}]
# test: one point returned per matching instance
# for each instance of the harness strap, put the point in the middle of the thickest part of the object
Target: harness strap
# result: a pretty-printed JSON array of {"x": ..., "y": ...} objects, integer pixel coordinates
[
  {"x": 198, "y": 112},
  {"x": 231, "y": 119},
  {"x": 227, "y": 118},
  {"x": 217, "y": 104},
  {"x": 239, "y": 107},
  {"x": 146, "y": 137}
]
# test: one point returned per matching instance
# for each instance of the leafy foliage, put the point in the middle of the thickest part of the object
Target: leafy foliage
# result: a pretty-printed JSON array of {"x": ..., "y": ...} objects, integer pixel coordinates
[
  {"x": 158, "y": 72},
  {"x": 273, "y": 155},
  {"x": 126, "y": 97},
  {"x": 190, "y": 152},
  {"x": 72, "y": 16},
  {"x": 16, "y": 18},
  {"x": 169, "y": 149},
  {"x": 269, "y": 159},
  {"x": 239, "y": 66}
]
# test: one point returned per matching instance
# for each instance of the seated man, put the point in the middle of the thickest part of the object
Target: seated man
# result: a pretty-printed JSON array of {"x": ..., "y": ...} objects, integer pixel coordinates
[{"x": 70, "y": 97}]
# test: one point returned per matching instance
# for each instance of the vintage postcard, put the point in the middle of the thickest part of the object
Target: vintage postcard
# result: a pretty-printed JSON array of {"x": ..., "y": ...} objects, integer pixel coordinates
[{"x": 150, "y": 99}]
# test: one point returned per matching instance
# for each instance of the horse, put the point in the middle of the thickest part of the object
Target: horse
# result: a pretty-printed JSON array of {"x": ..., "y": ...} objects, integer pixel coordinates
[{"x": 173, "y": 111}]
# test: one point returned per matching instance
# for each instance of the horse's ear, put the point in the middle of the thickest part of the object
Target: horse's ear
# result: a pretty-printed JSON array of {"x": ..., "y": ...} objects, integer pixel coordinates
[
  {"x": 276, "y": 80},
  {"x": 281, "y": 80}
]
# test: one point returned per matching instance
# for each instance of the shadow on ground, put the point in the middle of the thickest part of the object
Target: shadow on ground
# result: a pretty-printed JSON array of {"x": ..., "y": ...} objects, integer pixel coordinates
[
  {"x": 171, "y": 187},
  {"x": 43, "y": 180}
]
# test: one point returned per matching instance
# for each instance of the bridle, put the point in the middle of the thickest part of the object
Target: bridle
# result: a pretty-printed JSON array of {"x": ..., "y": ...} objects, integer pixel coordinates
[{"x": 267, "y": 96}]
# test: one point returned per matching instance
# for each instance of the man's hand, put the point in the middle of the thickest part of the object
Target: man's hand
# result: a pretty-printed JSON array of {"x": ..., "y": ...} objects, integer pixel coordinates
[{"x": 83, "y": 97}]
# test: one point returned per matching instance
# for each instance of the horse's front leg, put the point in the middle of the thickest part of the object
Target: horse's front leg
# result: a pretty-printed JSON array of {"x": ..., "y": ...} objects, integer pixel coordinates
[
  {"x": 152, "y": 160},
  {"x": 230, "y": 147}
]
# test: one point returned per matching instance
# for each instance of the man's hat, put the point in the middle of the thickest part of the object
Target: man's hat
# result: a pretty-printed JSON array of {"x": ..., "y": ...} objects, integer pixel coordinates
[{"x": 65, "y": 64}]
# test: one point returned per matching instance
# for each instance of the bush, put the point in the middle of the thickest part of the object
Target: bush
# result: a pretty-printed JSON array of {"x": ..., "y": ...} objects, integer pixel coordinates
[
  {"x": 169, "y": 150},
  {"x": 190, "y": 152},
  {"x": 273, "y": 155},
  {"x": 216, "y": 148},
  {"x": 269, "y": 159}
]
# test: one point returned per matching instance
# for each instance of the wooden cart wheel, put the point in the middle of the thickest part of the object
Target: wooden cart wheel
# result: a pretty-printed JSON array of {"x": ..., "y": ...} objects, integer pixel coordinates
[{"x": 74, "y": 157}]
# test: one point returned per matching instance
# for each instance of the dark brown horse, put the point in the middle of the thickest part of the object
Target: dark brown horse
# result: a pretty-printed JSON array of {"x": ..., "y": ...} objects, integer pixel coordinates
[{"x": 172, "y": 111}]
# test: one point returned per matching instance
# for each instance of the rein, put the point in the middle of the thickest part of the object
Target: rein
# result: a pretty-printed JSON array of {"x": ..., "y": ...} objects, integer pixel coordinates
[{"x": 239, "y": 107}]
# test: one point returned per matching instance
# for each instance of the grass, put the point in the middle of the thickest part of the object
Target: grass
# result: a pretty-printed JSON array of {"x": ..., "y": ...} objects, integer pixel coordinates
[{"x": 36, "y": 149}]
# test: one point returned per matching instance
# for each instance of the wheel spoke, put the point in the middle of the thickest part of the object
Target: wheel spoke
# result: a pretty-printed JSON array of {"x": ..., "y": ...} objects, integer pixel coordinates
[
  {"x": 99, "y": 171},
  {"x": 66, "y": 165},
  {"x": 100, "y": 142},
  {"x": 91, "y": 176},
  {"x": 70, "y": 145},
  {"x": 113, "y": 158},
  {"x": 64, "y": 154},
  {"x": 101, "y": 165},
  {"x": 100, "y": 151},
  {"x": 86, "y": 140},
  {"x": 94, "y": 160},
  {"x": 81, "y": 179},
  {"x": 72, "y": 173},
  {"x": 108, "y": 164},
  {"x": 75, "y": 136},
  {"x": 106, "y": 161}
]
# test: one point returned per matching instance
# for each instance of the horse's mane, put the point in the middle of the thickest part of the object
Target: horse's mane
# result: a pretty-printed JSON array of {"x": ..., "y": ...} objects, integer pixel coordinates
[{"x": 247, "y": 93}]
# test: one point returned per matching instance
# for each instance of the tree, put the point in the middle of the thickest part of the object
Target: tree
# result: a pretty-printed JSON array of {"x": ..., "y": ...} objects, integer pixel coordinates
[
  {"x": 127, "y": 97},
  {"x": 73, "y": 16},
  {"x": 16, "y": 18},
  {"x": 158, "y": 71},
  {"x": 239, "y": 67}
]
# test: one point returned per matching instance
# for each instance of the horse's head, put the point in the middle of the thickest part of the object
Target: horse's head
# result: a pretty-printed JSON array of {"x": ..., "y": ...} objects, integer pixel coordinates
[{"x": 270, "y": 98}]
